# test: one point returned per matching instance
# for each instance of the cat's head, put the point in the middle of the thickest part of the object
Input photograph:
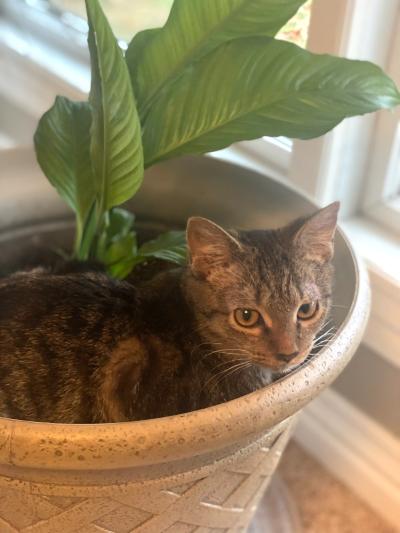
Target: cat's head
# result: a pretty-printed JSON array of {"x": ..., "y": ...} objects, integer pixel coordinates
[{"x": 262, "y": 295}]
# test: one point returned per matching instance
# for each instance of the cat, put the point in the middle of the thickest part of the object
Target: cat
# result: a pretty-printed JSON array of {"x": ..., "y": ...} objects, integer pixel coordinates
[{"x": 79, "y": 347}]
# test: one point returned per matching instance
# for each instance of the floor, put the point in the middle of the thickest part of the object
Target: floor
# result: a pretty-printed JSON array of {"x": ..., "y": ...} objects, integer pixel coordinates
[{"x": 325, "y": 505}]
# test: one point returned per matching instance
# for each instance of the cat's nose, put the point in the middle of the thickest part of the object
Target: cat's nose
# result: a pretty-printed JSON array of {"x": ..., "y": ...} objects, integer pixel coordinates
[{"x": 286, "y": 357}]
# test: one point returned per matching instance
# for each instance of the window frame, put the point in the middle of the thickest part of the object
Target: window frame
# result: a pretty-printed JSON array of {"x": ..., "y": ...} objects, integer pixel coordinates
[
  {"x": 381, "y": 200},
  {"x": 336, "y": 166},
  {"x": 325, "y": 167}
]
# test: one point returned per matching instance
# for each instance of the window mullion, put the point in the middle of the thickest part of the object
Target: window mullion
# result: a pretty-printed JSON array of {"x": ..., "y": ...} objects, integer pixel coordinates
[
  {"x": 381, "y": 200},
  {"x": 334, "y": 166}
]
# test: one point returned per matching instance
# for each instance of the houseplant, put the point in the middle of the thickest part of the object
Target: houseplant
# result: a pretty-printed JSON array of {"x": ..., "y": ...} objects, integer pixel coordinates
[
  {"x": 205, "y": 469},
  {"x": 211, "y": 76}
]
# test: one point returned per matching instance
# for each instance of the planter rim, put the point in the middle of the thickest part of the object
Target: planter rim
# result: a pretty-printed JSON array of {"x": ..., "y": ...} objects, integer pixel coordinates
[{"x": 173, "y": 438}]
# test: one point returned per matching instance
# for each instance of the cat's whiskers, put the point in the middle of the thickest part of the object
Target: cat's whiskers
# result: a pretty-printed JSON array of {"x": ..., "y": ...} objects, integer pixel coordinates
[
  {"x": 322, "y": 342},
  {"x": 225, "y": 351},
  {"x": 226, "y": 373},
  {"x": 227, "y": 348},
  {"x": 316, "y": 346},
  {"x": 327, "y": 321},
  {"x": 329, "y": 333},
  {"x": 229, "y": 372},
  {"x": 317, "y": 349},
  {"x": 207, "y": 343},
  {"x": 232, "y": 369},
  {"x": 229, "y": 362},
  {"x": 326, "y": 333},
  {"x": 240, "y": 358}
]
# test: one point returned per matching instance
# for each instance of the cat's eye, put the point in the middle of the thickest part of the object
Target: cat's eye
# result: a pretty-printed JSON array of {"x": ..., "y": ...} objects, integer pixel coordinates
[
  {"x": 307, "y": 310},
  {"x": 246, "y": 317}
]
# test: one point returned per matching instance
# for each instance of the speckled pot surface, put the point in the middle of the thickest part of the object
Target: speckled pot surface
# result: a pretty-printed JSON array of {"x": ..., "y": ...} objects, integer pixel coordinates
[{"x": 203, "y": 471}]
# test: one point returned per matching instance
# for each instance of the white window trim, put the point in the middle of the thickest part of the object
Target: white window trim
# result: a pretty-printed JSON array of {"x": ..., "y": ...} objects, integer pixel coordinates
[
  {"x": 326, "y": 167},
  {"x": 372, "y": 241},
  {"x": 382, "y": 196}
]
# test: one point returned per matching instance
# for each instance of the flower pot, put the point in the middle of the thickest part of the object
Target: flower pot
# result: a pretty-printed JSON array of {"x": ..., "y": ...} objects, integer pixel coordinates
[{"x": 203, "y": 471}]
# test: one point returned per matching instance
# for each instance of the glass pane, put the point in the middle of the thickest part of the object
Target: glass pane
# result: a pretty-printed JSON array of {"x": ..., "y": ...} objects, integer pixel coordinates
[
  {"x": 126, "y": 16},
  {"x": 296, "y": 30},
  {"x": 130, "y": 16},
  {"x": 16, "y": 126}
]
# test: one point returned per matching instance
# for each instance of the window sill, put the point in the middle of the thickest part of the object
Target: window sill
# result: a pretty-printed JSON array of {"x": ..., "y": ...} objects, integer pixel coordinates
[
  {"x": 380, "y": 250},
  {"x": 34, "y": 70}
]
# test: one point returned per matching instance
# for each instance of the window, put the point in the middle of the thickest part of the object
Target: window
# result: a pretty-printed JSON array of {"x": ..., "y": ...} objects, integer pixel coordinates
[
  {"x": 273, "y": 155},
  {"x": 344, "y": 163},
  {"x": 63, "y": 55},
  {"x": 130, "y": 16},
  {"x": 126, "y": 16},
  {"x": 382, "y": 196},
  {"x": 296, "y": 30}
]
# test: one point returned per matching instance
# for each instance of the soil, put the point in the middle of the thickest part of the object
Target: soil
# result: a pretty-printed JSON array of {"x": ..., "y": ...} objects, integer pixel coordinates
[{"x": 49, "y": 246}]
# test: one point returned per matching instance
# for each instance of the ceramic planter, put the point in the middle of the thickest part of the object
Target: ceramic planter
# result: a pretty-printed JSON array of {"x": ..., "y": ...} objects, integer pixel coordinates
[{"x": 203, "y": 471}]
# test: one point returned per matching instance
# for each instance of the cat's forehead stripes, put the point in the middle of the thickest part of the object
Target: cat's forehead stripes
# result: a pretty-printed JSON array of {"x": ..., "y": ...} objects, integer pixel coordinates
[{"x": 274, "y": 277}]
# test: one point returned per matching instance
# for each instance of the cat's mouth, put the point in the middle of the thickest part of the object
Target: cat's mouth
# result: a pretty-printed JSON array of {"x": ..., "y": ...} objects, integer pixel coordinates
[
  {"x": 277, "y": 363},
  {"x": 289, "y": 366}
]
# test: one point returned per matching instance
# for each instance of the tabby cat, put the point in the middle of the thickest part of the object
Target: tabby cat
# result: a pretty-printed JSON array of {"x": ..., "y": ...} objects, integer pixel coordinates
[{"x": 80, "y": 347}]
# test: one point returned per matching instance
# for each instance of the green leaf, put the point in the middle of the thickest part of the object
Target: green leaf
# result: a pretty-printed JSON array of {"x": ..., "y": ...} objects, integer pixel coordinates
[
  {"x": 120, "y": 223},
  {"x": 62, "y": 141},
  {"x": 119, "y": 250},
  {"x": 116, "y": 147},
  {"x": 117, "y": 245},
  {"x": 260, "y": 86},
  {"x": 84, "y": 249},
  {"x": 195, "y": 28},
  {"x": 136, "y": 50},
  {"x": 169, "y": 246},
  {"x": 122, "y": 256},
  {"x": 117, "y": 242}
]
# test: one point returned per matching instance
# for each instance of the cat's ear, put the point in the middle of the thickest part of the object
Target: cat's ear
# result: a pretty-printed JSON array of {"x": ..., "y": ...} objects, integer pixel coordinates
[
  {"x": 211, "y": 248},
  {"x": 315, "y": 236}
]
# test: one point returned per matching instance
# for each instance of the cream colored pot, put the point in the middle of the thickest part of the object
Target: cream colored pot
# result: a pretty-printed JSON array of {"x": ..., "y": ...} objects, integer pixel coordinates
[{"x": 203, "y": 471}]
